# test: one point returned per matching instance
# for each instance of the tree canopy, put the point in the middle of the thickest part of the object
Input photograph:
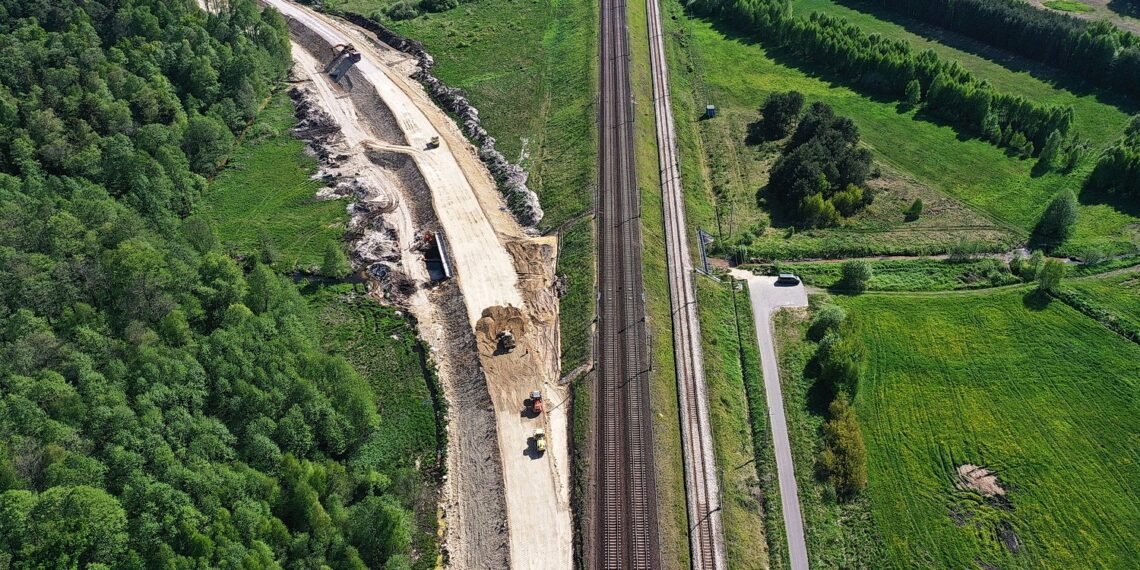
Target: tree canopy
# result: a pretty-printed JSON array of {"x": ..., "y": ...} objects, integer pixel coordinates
[{"x": 161, "y": 405}]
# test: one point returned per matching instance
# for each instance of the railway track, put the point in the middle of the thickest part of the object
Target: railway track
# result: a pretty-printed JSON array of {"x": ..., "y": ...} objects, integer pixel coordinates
[
  {"x": 702, "y": 490},
  {"x": 625, "y": 502}
]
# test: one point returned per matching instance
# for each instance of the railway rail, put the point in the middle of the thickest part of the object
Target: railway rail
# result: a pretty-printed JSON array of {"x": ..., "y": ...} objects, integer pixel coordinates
[
  {"x": 702, "y": 489},
  {"x": 625, "y": 502}
]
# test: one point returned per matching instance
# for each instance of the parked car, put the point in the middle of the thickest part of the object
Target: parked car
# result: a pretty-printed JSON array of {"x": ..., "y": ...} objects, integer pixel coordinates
[{"x": 787, "y": 279}]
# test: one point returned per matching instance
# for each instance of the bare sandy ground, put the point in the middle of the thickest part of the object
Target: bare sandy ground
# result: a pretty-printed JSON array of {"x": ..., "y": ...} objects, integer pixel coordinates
[
  {"x": 506, "y": 280},
  {"x": 485, "y": 271}
]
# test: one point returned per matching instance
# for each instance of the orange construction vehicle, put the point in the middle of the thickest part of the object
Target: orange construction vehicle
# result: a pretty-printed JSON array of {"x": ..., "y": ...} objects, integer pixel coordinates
[{"x": 536, "y": 401}]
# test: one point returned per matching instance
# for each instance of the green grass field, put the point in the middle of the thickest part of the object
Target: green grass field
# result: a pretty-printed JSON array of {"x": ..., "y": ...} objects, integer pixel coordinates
[
  {"x": 1041, "y": 395},
  {"x": 1069, "y": 6},
  {"x": 266, "y": 192},
  {"x": 921, "y": 158}
]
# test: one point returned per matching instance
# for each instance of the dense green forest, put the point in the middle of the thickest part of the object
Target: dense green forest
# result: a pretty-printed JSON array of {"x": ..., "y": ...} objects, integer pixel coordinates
[
  {"x": 162, "y": 405},
  {"x": 1097, "y": 51}
]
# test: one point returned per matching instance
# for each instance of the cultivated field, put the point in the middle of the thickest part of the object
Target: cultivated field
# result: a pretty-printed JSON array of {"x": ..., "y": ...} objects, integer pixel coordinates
[
  {"x": 265, "y": 194},
  {"x": 996, "y": 197},
  {"x": 1038, "y": 394}
]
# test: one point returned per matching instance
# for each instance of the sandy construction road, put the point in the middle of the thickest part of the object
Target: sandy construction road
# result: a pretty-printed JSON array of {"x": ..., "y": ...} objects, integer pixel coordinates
[
  {"x": 486, "y": 274},
  {"x": 506, "y": 279}
]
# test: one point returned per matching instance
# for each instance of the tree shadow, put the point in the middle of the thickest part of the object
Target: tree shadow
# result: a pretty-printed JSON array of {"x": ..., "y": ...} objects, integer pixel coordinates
[
  {"x": 821, "y": 392},
  {"x": 1119, "y": 201},
  {"x": 1124, "y": 8},
  {"x": 1036, "y": 300}
]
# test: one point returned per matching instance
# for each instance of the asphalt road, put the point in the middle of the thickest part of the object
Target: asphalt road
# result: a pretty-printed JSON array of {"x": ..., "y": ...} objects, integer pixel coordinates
[{"x": 766, "y": 298}]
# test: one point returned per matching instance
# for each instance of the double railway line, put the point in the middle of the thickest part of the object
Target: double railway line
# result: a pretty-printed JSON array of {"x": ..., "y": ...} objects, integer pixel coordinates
[{"x": 625, "y": 503}]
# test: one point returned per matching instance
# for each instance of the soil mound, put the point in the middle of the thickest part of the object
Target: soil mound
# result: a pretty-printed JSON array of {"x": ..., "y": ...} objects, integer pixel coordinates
[{"x": 979, "y": 479}]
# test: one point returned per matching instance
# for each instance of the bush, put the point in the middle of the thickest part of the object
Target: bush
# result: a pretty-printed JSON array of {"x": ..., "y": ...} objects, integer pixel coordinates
[
  {"x": 438, "y": 5},
  {"x": 1050, "y": 276},
  {"x": 402, "y": 11},
  {"x": 914, "y": 211},
  {"x": 827, "y": 320},
  {"x": 856, "y": 274},
  {"x": 844, "y": 459}
]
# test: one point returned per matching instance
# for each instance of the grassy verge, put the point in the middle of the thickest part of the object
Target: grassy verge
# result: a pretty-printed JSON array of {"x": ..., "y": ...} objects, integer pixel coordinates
[
  {"x": 409, "y": 443},
  {"x": 910, "y": 275},
  {"x": 1069, "y": 6},
  {"x": 838, "y": 534},
  {"x": 1120, "y": 291},
  {"x": 995, "y": 197},
  {"x": 578, "y": 305},
  {"x": 1031, "y": 391},
  {"x": 753, "y": 522},
  {"x": 265, "y": 194}
]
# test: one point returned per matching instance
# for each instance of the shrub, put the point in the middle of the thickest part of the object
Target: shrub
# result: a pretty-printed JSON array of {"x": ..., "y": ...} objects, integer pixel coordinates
[
  {"x": 827, "y": 320},
  {"x": 844, "y": 459},
  {"x": 856, "y": 274},
  {"x": 438, "y": 5},
  {"x": 402, "y": 11},
  {"x": 1050, "y": 276}
]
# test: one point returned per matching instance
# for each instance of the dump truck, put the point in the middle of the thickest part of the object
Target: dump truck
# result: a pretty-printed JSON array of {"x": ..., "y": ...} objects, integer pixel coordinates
[
  {"x": 536, "y": 401},
  {"x": 433, "y": 143},
  {"x": 540, "y": 440}
]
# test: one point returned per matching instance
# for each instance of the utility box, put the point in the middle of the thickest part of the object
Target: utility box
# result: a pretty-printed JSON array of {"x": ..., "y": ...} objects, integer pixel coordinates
[{"x": 710, "y": 111}]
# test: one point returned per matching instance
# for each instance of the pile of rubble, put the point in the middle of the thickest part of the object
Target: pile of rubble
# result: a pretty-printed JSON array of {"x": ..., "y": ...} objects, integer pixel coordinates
[
  {"x": 374, "y": 241},
  {"x": 511, "y": 178}
]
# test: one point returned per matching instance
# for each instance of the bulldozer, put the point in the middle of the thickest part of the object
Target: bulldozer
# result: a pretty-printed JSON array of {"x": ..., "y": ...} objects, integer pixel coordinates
[
  {"x": 540, "y": 441},
  {"x": 433, "y": 143}
]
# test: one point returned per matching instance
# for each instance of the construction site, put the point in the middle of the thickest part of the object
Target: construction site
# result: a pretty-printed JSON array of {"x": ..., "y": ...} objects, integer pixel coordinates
[{"x": 431, "y": 229}]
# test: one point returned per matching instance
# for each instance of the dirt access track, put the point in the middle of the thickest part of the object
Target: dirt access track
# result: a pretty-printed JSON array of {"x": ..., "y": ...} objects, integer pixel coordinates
[{"x": 505, "y": 279}]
